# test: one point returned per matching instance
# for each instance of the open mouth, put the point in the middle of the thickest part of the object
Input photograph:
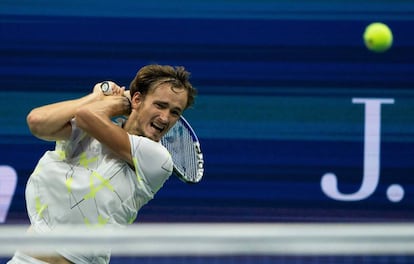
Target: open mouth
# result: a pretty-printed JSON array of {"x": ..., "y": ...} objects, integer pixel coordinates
[{"x": 158, "y": 127}]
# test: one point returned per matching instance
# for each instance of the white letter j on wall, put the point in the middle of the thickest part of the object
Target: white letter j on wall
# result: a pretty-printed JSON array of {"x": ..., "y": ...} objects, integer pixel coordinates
[{"x": 372, "y": 145}]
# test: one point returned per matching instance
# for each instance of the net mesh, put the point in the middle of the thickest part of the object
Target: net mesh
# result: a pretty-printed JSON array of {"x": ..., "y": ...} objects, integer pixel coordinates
[{"x": 228, "y": 243}]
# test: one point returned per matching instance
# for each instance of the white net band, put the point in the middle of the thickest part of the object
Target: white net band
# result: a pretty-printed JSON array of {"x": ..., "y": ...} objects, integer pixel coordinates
[{"x": 220, "y": 239}]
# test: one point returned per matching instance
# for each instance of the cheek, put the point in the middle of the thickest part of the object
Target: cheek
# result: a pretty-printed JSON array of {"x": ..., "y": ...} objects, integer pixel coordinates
[
  {"x": 174, "y": 121},
  {"x": 146, "y": 112}
]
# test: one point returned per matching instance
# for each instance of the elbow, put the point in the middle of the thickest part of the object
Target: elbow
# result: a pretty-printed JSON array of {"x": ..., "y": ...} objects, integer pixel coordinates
[{"x": 35, "y": 123}]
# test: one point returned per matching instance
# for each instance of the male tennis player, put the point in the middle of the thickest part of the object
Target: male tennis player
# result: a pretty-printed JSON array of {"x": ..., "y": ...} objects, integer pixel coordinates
[{"x": 100, "y": 174}]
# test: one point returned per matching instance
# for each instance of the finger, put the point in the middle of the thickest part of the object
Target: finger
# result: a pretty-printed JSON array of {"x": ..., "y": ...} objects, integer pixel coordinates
[
  {"x": 127, "y": 94},
  {"x": 118, "y": 90},
  {"x": 121, "y": 91}
]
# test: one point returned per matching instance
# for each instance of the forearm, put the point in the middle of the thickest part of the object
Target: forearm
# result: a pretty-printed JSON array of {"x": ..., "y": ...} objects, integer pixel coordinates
[
  {"x": 95, "y": 119},
  {"x": 52, "y": 122}
]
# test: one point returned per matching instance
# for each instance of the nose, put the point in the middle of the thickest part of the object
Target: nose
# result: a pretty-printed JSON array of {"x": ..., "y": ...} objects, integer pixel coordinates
[{"x": 164, "y": 116}]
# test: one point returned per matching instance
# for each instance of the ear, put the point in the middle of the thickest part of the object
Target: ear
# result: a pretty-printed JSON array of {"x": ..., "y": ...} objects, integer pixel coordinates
[{"x": 137, "y": 98}]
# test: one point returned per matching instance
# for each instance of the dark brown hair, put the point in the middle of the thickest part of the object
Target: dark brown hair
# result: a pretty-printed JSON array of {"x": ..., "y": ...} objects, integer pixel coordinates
[{"x": 151, "y": 76}]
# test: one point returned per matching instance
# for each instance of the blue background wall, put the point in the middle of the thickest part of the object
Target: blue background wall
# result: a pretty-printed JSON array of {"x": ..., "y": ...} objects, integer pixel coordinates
[{"x": 274, "y": 113}]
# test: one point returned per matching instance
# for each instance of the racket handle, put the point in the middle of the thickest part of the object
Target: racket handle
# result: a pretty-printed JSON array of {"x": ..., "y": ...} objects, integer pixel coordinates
[{"x": 106, "y": 88}]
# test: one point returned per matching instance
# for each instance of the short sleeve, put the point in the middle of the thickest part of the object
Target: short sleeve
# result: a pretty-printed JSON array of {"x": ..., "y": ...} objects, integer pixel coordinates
[
  {"x": 152, "y": 161},
  {"x": 67, "y": 148}
]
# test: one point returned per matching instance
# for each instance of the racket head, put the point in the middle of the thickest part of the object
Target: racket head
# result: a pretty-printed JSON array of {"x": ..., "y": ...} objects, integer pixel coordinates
[{"x": 185, "y": 149}]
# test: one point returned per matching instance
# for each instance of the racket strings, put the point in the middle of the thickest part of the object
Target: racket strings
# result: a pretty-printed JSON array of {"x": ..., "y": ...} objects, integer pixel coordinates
[{"x": 180, "y": 144}]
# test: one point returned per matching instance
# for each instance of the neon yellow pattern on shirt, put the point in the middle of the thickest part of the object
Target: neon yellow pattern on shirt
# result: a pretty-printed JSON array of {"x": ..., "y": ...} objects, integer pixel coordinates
[
  {"x": 40, "y": 207},
  {"x": 84, "y": 161},
  {"x": 68, "y": 184},
  {"x": 131, "y": 220},
  {"x": 101, "y": 221},
  {"x": 95, "y": 189},
  {"x": 61, "y": 154},
  {"x": 139, "y": 178}
]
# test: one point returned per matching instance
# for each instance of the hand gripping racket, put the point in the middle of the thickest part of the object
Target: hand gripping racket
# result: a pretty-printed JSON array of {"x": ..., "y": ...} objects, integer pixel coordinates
[
  {"x": 184, "y": 146},
  {"x": 182, "y": 143}
]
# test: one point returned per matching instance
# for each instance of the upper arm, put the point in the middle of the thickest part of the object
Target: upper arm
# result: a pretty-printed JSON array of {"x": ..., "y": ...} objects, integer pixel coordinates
[
  {"x": 39, "y": 127},
  {"x": 52, "y": 121},
  {"x": 151, "y": 161}
]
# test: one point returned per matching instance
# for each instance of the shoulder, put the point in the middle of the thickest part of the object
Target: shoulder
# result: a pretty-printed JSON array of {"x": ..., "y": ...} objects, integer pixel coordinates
[
  {"x": 148, "y": 146},
  {"x": 152, "y": 161}
]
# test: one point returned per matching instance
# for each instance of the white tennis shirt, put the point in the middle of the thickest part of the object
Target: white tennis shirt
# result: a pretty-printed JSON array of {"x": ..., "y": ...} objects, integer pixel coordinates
[{"x": 82, "y": 182}]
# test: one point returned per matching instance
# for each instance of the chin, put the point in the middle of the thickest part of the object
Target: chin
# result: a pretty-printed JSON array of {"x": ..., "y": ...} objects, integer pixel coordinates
[{"x": 155, "y": 138}]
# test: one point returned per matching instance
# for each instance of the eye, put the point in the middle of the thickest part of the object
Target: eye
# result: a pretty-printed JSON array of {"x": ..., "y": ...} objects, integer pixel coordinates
[
  {"x": 176, "y": 113},
  {"x": 159, "y": 105}
]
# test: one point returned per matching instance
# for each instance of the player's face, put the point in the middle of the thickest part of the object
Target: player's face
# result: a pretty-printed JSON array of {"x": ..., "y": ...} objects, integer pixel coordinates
[{"x": 159, "y": 110}]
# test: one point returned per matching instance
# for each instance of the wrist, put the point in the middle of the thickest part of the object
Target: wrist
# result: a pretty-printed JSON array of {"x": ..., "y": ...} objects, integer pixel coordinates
[{"x": 128, "y": 105}]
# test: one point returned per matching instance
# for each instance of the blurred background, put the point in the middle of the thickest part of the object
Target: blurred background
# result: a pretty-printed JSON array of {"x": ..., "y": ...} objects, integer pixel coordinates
[{"x": 284, "y": 89}]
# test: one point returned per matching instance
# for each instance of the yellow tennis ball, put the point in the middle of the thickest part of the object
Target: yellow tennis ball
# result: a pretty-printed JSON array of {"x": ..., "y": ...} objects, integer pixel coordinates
[{"x": 378, "y": 37}]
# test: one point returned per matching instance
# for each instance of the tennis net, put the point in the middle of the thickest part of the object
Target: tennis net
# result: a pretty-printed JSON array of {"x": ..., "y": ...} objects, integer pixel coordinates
[{"x": 227, "y": 243}]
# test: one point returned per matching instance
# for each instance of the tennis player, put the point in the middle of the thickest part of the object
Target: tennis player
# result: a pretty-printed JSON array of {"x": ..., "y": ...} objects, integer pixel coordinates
[{"x": 100, "y": 173}]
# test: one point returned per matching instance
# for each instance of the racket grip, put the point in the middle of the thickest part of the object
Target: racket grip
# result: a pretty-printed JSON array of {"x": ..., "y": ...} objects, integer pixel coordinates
[{"x": 106, "y": 88}]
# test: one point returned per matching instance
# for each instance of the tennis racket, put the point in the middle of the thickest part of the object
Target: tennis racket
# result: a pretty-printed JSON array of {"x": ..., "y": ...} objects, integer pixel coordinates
[
  {"x": 184, "y": 146},
  {"x": 182, "y": 143}
]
